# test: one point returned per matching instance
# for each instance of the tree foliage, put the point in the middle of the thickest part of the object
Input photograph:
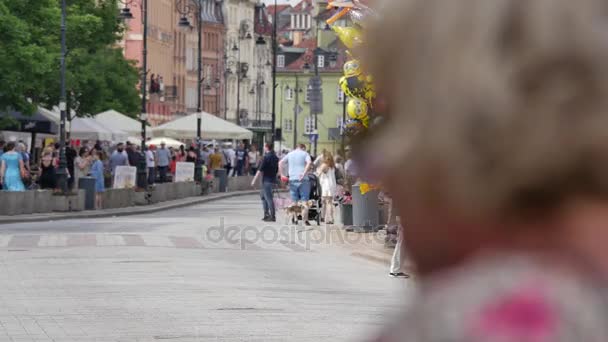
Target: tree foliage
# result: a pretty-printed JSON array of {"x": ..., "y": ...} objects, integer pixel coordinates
[{"x": 98, "y": 77}]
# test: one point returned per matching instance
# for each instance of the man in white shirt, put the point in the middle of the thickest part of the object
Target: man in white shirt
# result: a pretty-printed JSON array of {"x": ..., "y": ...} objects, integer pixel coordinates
[{"x": 151, "y": 164}]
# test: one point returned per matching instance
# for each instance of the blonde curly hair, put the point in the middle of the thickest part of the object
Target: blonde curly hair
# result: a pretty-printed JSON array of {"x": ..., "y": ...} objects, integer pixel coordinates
[{"x": 500, "y": 106}]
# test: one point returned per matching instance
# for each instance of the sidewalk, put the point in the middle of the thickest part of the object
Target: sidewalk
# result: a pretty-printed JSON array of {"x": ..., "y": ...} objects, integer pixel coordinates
[{"x": 147, "y": 209}]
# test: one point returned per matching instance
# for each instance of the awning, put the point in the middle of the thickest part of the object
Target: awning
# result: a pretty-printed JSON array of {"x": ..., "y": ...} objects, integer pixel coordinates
[
  {"x": 118, "y": 121},
  {"x": 168, "y": 142},
  {"x": 89, "y": 129},
  {"x": 212, "y": 127},
  {"x": 35, "y": 123}
]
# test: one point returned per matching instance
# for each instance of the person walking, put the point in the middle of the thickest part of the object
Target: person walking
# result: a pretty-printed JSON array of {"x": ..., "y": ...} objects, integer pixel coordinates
[
  {"x": 395, "y": 268},
  {"x": 151, "y": 164},
  {"x": 163, "y": 159},
  {"x": 2, "y": 146},
  {"x": 180, "y": 156},
  {"x": 12, "y": 169},
  {"x": 118, "y": 158},
  {"x": 47, "y": 176},
  {"x": 132, "y": 154},
  {"x": 215, "y": 160},
  {"x": 70, "y": 157},
  {"x": 253, "y": 159},
  {"x": 82, "y": 165},
  {"x": 204, "y": 155},
  {"x": 97, "y": 173},
  {"x": 269, "y": 168},
  {"x": 327, "y": 181},
  {"x": 298, "y": 164},
  {"x": 191, "y": 155},
  {"x": 241, "y": 159}
]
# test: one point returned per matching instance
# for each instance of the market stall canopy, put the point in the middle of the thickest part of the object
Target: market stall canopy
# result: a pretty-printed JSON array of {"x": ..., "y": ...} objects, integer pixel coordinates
[
  {"x": 35, "y": 123},
  {"x": 88, "y": 128},
  {"x": 168, "y": 142},
  {"x": 212, "y": 127},
  {"x": 118, "y": 121}
]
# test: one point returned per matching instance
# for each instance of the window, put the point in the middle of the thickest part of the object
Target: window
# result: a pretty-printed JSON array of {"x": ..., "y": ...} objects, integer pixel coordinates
[
  {"x": 289, "y": 94},
  {"x": 288, "y": 125},
  {"x": 280, "y": 61},
  {"x": 340, "y": 97},
  {"x": 307, "y": 96},
  {"x": 191, "y": 98},
  {"x": 309, "y": 125},
  {"x": 321, "y": 61}
]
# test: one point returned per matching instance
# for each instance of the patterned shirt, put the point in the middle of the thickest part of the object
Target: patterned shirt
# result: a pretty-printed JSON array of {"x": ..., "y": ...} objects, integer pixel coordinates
[{"x": 508, "y": 299}]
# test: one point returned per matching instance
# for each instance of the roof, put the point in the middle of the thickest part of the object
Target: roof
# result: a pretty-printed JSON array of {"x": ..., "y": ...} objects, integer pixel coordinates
[
  {"x": 307, "y": 48},
  {"x": 262, "y": 25},
  {"x": 300, "y": 6},
  {"x": 279, "y": 8}
]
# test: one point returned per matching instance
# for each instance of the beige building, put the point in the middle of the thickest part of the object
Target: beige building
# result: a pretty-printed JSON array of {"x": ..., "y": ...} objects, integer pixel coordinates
[{"x": 248, "y": 66}]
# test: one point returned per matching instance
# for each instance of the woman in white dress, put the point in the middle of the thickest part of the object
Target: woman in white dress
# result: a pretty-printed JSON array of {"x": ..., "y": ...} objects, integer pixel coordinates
[{"x": 327, "y": 180}]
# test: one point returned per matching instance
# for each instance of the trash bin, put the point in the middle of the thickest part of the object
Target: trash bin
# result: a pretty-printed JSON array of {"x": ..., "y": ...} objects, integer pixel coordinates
[
  {"x": 346, "y": 213},
  {"x": 365, "y": 210},
  {"x": 222, "y": 177},
  {"x": 88, "y": 185}
]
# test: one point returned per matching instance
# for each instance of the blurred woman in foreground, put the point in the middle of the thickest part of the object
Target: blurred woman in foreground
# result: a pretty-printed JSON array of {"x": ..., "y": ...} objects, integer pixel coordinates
[{"x": 500, "y": 112}]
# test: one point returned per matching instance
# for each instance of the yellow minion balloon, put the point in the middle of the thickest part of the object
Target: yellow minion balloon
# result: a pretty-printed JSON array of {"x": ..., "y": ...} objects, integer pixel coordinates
[
  {"x": 357, "y": 109},
  {"x": 352, "y": 68}
]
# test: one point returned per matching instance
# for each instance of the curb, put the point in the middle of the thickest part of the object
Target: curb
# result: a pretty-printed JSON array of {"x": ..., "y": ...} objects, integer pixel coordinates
[{"x": 128, "y": 211}]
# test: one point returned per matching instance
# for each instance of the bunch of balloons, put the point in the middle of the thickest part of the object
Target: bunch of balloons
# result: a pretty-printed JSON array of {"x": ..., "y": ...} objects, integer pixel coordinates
[
  {"x": 358, "y": 86},
  {"x": 355, "y": 84}
]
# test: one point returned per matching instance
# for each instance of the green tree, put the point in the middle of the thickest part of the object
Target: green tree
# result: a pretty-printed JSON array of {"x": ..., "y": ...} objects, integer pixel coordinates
[{"x": 97, "y": 77}]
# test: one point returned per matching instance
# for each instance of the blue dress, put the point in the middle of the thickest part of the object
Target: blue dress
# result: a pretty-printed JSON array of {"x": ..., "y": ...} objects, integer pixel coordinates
[
  {"x": 97, "y": 173},
  {"x": 12, "y": 174}
]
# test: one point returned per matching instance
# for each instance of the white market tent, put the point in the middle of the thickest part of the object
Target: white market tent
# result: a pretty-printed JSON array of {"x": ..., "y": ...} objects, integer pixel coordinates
[
  {"x": 212, "y": 127},
  {"x": 88, "y": 128},
  {"x": 118, "y": 121},
  {"x": 168, "y": 142}
]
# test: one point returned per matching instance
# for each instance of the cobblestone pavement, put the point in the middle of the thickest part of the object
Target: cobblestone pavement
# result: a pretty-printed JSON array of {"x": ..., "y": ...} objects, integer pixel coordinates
[{"x": 203, "y": 273}]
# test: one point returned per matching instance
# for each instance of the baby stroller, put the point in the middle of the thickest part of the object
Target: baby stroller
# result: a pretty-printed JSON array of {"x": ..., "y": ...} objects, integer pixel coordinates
[{"x": 314, "y": 213}]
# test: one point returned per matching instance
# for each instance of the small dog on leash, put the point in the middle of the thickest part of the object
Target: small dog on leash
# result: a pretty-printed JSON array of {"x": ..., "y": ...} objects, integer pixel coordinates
[{"x": 297, "y": 210}]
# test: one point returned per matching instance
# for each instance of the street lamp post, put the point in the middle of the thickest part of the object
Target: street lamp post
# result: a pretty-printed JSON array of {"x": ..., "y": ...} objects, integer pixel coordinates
[
  {"x": 126, "y": 15},
  {"x": 274, "y": 71},
  {"x": 296, "y": 112},
  {"x": 185, "y": 7},
  {"x": 62, "y": 170}
]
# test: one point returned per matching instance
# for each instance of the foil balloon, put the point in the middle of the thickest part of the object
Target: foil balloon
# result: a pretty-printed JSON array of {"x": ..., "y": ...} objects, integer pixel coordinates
[
  {"x": 353, "y": 86},
  {"x": 352, "y": 68},
  {"x": 349, "y": 36},
  {"x": 366, "y": 187},
  {"x": 354, "y": 127},
  {"x": 357, "y": 109}
]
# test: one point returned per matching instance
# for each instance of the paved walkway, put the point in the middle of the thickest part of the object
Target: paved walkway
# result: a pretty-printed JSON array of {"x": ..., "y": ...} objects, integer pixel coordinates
[{"x": 207, "y": 272}]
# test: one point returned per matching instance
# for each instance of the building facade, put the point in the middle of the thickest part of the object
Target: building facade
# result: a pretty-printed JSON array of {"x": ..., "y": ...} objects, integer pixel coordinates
[
  {"x": 173, "y": 56},
  {"x": 212, "y": 59},
  {"x": 307, "y": 46},
  {"x": 248, "y": 67}
]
